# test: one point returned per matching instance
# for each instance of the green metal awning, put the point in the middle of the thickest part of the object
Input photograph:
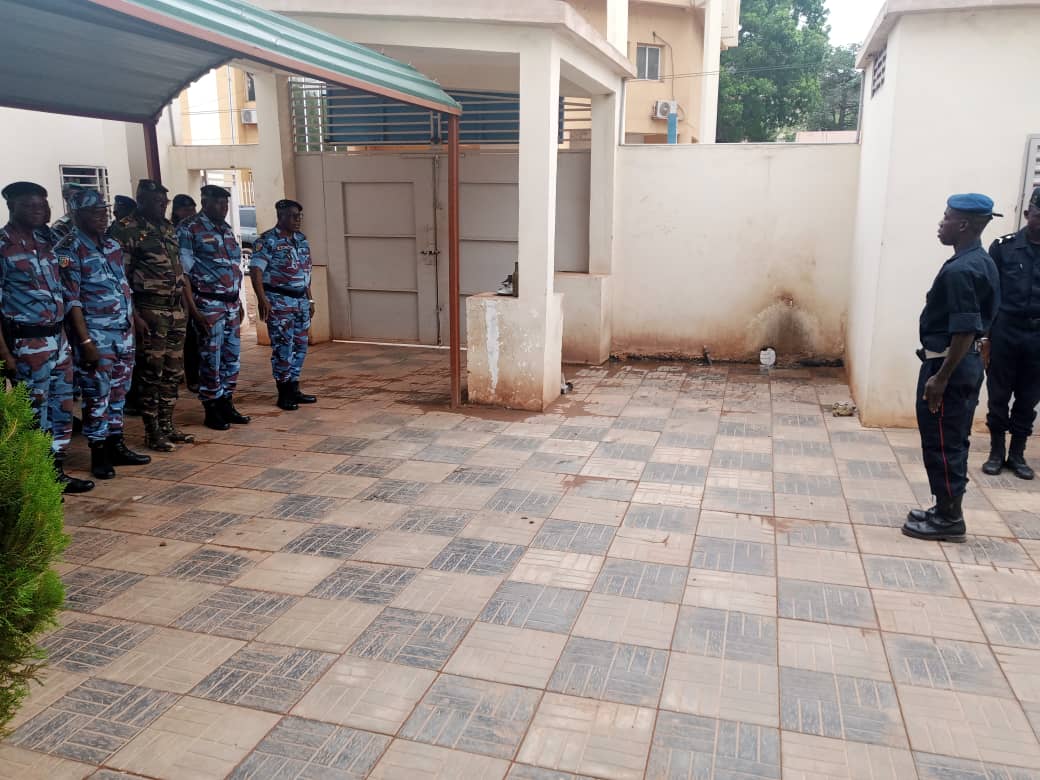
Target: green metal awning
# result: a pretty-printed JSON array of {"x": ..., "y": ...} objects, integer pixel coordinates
[{"x": 126, "y": 59}]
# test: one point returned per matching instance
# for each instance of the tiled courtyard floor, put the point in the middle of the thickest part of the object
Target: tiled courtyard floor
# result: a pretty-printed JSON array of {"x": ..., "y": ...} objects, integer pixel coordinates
[{"x": 679, "y": 572}]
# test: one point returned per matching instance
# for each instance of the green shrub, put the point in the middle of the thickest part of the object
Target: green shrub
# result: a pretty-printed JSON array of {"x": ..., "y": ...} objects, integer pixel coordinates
[{"x": 31, "y": 538}]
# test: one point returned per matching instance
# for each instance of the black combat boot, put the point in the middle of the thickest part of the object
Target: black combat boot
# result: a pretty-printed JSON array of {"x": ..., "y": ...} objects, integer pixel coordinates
[
  {"x": 942, "y": 523},
  {"x": 121, "y": 455},
  {"x": 286, "y": 398},
  {"x": 302, "y": 398},
  {"x": 1017, "y": 459},
  {"x": 997, "y": 454},
  {"x": 101, "y": 460},
  {"x": 154, "y": 436},
  {"x": 172, "y": 432},
  {"x": 215, "y": 415},
  {"x": 71, "y": 484},
  {"x": 230, "y": 413}
]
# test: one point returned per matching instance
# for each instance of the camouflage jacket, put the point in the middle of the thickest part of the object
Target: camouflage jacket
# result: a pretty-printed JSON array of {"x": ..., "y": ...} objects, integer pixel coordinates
[
  {"x": 211, "y": 256},
  {"x": 95, "y": 281},
  {"x": 31, "y": 292},
  {"x": 284, "y": 260},
  {"x": 153, "y": 262}
]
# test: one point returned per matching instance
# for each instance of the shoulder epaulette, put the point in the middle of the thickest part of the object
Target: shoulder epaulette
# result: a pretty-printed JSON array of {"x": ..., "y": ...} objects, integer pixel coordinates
[
  {"x": 1006, "y": 239},
  {"x": 64, "y": 241}
]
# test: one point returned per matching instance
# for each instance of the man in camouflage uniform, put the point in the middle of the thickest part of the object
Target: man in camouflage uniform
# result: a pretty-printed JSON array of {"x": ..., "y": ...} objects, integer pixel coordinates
[
  {"x": 62, "y": 226},
  {"x": 280, "y": 270},
  {"x": 157, "y": 279},
  {"x": 184, "y": 208},
  {"x": 33, "y": 347},
  {"x": 100, "y": 310},
  {"x": 212, "y": 261}
]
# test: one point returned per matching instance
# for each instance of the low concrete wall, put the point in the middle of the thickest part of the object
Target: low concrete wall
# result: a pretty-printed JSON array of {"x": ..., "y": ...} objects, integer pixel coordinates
[
  {"x": 734, "y": 247},
  {"x": 586, "y": 317}
]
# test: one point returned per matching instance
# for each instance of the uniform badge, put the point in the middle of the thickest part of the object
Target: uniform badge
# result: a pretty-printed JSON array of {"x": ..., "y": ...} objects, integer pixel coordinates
[{"x": 64, "y": 261}]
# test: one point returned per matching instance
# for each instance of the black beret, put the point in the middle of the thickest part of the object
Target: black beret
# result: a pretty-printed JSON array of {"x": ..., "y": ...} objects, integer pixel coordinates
[
  {"x": 181, "y": 201},
  {"x": 19, "y": 188},
  {"x": 150, "y": 185},
  {"x": 213, "y": 191},
  {"x": 124, "y": 201},
  {"x": 287, "y": 204}
]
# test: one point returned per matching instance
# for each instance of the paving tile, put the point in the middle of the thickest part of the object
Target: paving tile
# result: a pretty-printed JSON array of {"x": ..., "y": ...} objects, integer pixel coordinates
[
  {"x": 661, "y": 518},
  {"x": 158, "y": 600},
  {"x": 568, "y": 536},
  {"x": 641, "y": 580},
  {"x": 616, "y": 618},
  {"x": 180, "y": 495},
  {"x": 930, "y": 767},
  {"x": 945, "y": 664},
  {"x": 305, "y": 508},
  {"x": 558, "y": 568},
  {"x": 367, "y": 466},
  {"x": 1012, "y": 625},
  {"x": 85, "y": 644},
  {"x": 87, "y": 589},
  {"x": 280, "y": 480},
  {"x": 808, "y": 757},
  {"x": 918, "y": 613},
  {"x": 402, "y": 548},
  {"x": 519, "y": 501},
  {"x": 604, "y": 739},
  {"x": 170, "y": 660},
  {"x": 330, "y": 541},
  {"x": 519, "y": 656},
  {"x": 317, "y": 624},
  {"x": 366, "y": 694},
  {"x": 477, "y": 556},
  {"x": 841, "y": 568},
  {"x": 364, "y": 582},
  {"x": 433, "y": 520},
  {"x": 264, "y": 677},
  {"x": 481, "y": 476},
  {"x": 411, "y": 638},
  {"x": 815, "y": 535},
  {"x": 539, "y": 607},
  {"x": 625, "y": 673},
  {"x": 720, "y": 688},
  {"x": 841, "y": 650},
  {"x": 260, "y": 533},
  {"x": 524, "y": 772},
  {"x": 662, "y": 493},
  {"x": 735, "y": 556},
  {"x": 726, "y": 590},
  {"x": 965, "y": 725},
  {"x": 30, "y": 765},
  {"x": 737, "y": 527},
  {"x": 146, "y": 554},
  {"x": 305, "y": 748},
  {"x": 194, "y": 738},
  {"x": 839, "y": 706},
  {"x": 406, "y": 760},
  {"x": 473, "y": 715},
  {"x": 235, "y": 612},
  {"x": 93, "y": 720},
  {"x": 662, "y": 547},
  {"x": 215, "y": 565},
  {"x": 590, "y": 510},
  {"x": 1022, "y": 668},
  {"x": 88, "y": 544},
  {"x": 990, "y": 551},
  {"x": 882, "y": 541},
  {"x": 717, "y": 633},
  {"x": 690, "y": 746},
  {"x": 825, "y": 603},
  {"x": 51, "y": 684},
  {"x": 288, "y": 573}
]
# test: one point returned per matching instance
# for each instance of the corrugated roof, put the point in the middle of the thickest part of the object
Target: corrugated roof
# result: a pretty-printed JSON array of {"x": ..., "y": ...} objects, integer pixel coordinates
[{"x": 126, "y": 59}]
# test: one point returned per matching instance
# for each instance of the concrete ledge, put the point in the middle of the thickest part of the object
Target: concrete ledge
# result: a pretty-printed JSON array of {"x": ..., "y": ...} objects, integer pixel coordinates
[{"x": 587, "y": 327}]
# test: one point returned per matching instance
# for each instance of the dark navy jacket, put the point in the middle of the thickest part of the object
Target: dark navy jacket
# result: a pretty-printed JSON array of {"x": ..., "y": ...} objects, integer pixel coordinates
[
  {"x": 964, "y": 298},
  {"x": 1018, "y": 263}
]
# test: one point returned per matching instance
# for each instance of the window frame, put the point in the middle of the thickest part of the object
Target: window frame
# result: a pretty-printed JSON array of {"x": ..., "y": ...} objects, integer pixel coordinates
[
  {"x": 95, "y": 176},
  {"x": 643, "y": 61}
]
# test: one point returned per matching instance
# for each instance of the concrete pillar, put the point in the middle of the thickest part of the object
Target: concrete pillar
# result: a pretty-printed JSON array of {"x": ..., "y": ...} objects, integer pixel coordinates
[
  {"x": 710, "y": 65},
  {"x": 617, "y": 25},
  {"x": 515, "y": 344},
  {"x": 603, "y": 164},
  {"x": 274, "y": 175}
]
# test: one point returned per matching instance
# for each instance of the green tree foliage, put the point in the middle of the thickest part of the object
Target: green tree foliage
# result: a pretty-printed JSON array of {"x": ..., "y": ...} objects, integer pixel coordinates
[
  {"x": 772, "y": 79},
  {"x": 839, "y": 91},
  {"x": 31, "y": 538}
]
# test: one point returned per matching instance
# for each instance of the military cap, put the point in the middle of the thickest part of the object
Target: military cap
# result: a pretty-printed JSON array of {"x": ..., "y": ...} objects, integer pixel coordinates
[
  {"x": 213, "y": 191},
  {"x": 19, "y": 188},
  {"x": 86, "y": 199},
  {"x": 973, "y": 203},
  {"x": 124, "y": 201},
  {"x": 183, "y": 201},
  {"x": 150, "y": 185},
  {"x": 68, "y": 188},
  {"x": 285, "y": 203},
  {"x": 1035, "y": 200}
]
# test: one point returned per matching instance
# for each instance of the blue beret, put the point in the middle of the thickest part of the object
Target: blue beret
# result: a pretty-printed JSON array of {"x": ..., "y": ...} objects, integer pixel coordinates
[
  {"x": 973, "y": 203},
  {"x": 86, "y": 199}
]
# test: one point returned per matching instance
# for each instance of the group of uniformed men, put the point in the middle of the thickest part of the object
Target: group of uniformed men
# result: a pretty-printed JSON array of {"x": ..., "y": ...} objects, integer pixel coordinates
[
  {"x": 88, "y": 308},
  {"x": 981, "y": 321}
]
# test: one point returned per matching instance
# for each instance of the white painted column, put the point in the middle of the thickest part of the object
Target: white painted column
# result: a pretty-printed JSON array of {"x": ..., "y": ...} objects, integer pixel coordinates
[
  {"x": 709, "y": 116},
  {"x": 603, "y": 166},
  {"x": 617, "y": 25},
  {"x": 274, "y": 175}
]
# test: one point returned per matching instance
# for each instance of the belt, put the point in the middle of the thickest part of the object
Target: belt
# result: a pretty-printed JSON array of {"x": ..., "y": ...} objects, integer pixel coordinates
[
  {"x": 156, "y": 301},
  {"x": 927, "y": 354},
  {"x": 20, "y": 331},
  {"x": 288, "y": 292},
  {"x": 212, "y": 296}
]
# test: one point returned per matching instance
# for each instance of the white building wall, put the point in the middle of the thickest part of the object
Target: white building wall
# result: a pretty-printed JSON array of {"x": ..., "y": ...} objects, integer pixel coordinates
[
  {"x": 732, "y": 247},
  {"x": 33, "y": 145},
  {"x": 963, "y": 105}
]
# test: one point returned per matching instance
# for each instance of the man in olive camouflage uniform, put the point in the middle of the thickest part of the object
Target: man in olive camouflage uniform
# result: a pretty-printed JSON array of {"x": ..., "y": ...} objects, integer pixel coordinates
[{"x": 157, "y": 280}]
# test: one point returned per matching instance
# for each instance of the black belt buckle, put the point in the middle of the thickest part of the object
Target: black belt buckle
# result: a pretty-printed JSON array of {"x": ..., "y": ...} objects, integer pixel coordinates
[{"x": 920, "y": 354}]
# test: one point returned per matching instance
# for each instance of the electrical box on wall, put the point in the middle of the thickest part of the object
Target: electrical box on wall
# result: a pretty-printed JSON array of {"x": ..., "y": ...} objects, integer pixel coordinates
[{"x": 662, "y": 108}]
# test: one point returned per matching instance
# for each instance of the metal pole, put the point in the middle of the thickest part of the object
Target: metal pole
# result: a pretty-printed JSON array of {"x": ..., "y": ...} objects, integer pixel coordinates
[
  {"x": 151, "y": 150},
  {"x": 455, "y": 333}
]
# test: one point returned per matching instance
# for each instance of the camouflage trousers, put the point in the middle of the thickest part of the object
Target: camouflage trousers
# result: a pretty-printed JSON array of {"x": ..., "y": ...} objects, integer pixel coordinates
[
  {"x": 288, "y": 325},
  {"x": 160, "y": 357},
  {"x": 44, "y": 365},
  {"x": 105, "y": 386},
  {"x": 220, "y": 349}
]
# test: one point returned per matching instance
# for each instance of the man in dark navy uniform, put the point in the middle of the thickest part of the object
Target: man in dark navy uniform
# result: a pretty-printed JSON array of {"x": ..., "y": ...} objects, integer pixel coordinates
[
  {"x": 959, "y": 309},
  {"x": 1014, "y": 363}
]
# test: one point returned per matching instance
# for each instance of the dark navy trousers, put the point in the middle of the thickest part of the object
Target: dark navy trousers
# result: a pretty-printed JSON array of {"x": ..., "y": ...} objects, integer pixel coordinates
[
  {"x": 1014, "y": 370},
  {"x": 945, "y": 435}
]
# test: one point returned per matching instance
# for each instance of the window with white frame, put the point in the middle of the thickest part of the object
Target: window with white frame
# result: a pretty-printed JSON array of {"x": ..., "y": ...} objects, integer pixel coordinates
[
  {"x": 92, "y": 176},
  {"x": 648, "y": 62},
  {"x": 878, "y": 71}
]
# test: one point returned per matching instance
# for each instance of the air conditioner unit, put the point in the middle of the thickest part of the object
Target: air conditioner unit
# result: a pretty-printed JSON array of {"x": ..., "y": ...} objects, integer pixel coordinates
[
  {"x": 249, "y": 116},
  {"x": 662, "y": 108}
]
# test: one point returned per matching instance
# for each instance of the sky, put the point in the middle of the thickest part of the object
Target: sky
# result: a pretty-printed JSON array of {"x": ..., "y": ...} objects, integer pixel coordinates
[{"x": 851, "y": 19}]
